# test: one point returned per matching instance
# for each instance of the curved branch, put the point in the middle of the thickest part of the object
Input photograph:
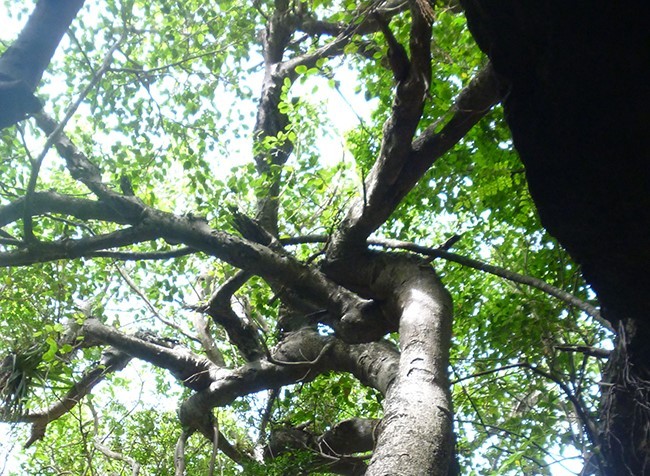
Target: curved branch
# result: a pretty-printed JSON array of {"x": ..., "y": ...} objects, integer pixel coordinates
[
  {"x": 531, "y": 281},
  {"x": 193, "y": 371},
  {"x": 374, "y": 364},
  {"x": 241, "y": 330}
]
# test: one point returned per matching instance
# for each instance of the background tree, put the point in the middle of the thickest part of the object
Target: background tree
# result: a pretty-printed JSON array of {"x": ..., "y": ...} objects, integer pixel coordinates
[{"x": 197, "y": 232}]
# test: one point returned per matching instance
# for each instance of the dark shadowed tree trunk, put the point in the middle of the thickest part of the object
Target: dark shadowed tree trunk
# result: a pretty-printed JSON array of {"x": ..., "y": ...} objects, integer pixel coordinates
[{"x": 579, "y": 109}]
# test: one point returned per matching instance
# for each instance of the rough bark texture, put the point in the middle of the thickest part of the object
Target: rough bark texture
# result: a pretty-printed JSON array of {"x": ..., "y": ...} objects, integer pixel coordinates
[
  {"x": 415, "y": 436},
  {"x": 578, "y": 105}
]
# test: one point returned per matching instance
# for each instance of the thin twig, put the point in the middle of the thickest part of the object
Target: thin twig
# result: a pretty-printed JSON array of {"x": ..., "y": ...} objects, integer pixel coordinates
[
  {"x": 151, "y": 307},
  {"x": 488, "y": 372}
]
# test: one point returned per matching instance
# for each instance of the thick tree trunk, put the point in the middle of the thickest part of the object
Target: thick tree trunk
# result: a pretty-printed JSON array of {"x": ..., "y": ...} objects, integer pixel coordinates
[
  {"x": 577, "y": 105},
  {"x": 415, "y": 435},
  {"x": 624, "y": 413}
]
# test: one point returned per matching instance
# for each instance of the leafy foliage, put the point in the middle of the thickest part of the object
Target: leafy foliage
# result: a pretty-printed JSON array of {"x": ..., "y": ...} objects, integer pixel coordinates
[{"x": 175, "y": 114}]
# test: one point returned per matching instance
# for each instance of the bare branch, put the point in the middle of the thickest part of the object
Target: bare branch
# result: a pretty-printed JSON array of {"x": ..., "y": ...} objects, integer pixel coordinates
[
  {"x": 193, "y": 371},
  {"x": 105, "y": 450},
  {"x": 52, "y": 202},
  {"x": 531, "y": 281},
  {"x": 42, "y": 252},
  {"x": 113, "y": 360},
  {"x": 488, "y": 372},
  {"x": 150, "y": 306},
  {"x": 587, "y": 350},
  {"x": 475, "y": 264},
  {"x": 206, "y": 339}
]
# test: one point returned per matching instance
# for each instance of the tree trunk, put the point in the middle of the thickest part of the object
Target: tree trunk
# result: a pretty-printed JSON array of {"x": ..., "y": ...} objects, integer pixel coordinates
[
  {"x": 415, "y": 436},
  {"x": 577, "y": 105}
]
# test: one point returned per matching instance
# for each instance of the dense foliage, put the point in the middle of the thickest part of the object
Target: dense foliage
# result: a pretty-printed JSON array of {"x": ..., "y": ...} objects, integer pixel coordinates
[{"x": 169, "y": 105}]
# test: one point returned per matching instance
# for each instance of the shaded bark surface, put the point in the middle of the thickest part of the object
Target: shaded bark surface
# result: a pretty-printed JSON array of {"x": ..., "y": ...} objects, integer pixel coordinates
[
  {"x": 23, "y": 64},
  {"x": 415, "y": 435},
  {"x": 578, "y": 106}
]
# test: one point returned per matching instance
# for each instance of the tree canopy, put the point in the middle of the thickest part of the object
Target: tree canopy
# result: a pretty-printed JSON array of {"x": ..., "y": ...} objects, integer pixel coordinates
[{"x": 282, "y": 237}]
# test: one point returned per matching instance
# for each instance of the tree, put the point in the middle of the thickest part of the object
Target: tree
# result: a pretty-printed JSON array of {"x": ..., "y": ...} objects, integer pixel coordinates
[{"x": 291, "y": 299}]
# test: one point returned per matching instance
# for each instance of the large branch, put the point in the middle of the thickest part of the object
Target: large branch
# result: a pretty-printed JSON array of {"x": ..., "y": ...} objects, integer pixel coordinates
[
  {"x": 271, "y": 122},
  {"x": 300, "y": 357},
  {"x": 52, "y": 202},
  {"x": 42, "y": 252},
  {"x": 194, "y": 371},
  {"x": 23, "y": 64},
  {"x": 348, "y": 313},
  {"x": 392, "y": 178},
  {"x": 368, "y": 212}
]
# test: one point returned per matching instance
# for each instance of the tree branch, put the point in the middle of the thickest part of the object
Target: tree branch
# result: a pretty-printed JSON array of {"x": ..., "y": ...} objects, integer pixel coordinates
[
  {"x": 475, "y": 264},
  {"x": 112, "y": 360},
  {"x": 587, "y": 421},
  {"x": 42, "y": 252},
  {"x": 399, "y": 167},
  {"x": 23, "y": 63},
  {"x": 193, "y": 371},
  {"x": 53, "y": 202},
  {"x": 241, "y": 330},
  {"x": 106, "y": 451},
  {"x": 54, "y": 135},
  {"x": 374, "y": 364},
  {"x": 586, "y": 350},
  {"x": 531, "y": 281}
]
